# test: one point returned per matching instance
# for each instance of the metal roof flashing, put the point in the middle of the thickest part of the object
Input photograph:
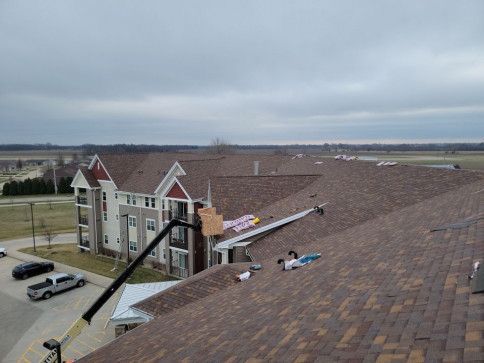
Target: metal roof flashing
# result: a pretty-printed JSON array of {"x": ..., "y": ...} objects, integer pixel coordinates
[{"x": 228, "y": 244}]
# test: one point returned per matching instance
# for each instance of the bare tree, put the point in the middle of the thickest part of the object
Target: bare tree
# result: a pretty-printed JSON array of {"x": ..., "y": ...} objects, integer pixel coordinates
[
  {"x": 75, "y": 157},
  {"x": 60, "y": 159},
  {"x": 220, "y": 146},
  {"x": 47, "y": 231}
]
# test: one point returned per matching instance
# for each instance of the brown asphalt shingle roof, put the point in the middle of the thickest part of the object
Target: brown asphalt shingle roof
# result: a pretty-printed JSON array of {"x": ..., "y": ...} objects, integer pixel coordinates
[
  {"x": 203, "y": 284},
  {"x": 90, "y": 178},
  {"x": 142, "y": 173},
  {"x": 239, "y": 195},
  {"x": 356, "y": 192},
  {"x": 386, "y": 290}
]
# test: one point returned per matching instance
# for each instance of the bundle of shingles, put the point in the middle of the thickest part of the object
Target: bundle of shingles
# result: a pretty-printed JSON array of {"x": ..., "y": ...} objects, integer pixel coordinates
[{"x": 239, "y": 224}]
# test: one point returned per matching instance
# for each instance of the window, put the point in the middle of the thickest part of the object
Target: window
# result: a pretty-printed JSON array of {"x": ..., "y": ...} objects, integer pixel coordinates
[
  {"x": 181, "y": 233},
  {"x": 163, "y": 204},
  {"x": 115, "y": 195},
  {"x": 150, "y": 202},
  {"x": 153, "y": 253},
  {"x": 117, "y": 240},
  {"x": 150, "y": 224},
  {"x": 105, "y": 216},
  {"x": 117, "y": 217},
  {"x": 133, "y": 199},
  {"x": 132, "y": 221},
  {"x": 106, "y": 239},
  {"x": 104, "y": 196},
  {"x": 128, "y": 199},
  {"x": 133, "y": 246},
  {"x": 164, "y": 253}
]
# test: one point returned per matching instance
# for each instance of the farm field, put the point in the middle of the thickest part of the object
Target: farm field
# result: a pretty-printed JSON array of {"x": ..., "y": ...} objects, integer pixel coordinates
[
  {"x": 466, "y": 160},
  {"x": 15, "y": 221}
]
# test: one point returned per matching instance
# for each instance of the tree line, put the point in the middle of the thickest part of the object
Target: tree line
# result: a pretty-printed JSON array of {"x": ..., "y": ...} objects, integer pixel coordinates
[
  {"x": 37, "y": 186},
  {"x": 91, "y": 149}
]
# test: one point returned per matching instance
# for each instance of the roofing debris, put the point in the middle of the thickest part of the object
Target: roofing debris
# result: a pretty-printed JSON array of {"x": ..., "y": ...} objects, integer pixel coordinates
[
  {"x": 345, "y": 157},
  {"x": 298, "y": 262},
  {"x": 244, "y": 276},
  {"x": 462, "y": 224},
  {"x": 387, "y": 163}
]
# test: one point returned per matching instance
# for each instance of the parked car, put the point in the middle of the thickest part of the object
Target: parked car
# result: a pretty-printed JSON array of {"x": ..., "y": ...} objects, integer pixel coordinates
[
  {"x": 28, "y": 269},
  {"x": 54, "y": 284},
  {"x": 3, "y": 251}
]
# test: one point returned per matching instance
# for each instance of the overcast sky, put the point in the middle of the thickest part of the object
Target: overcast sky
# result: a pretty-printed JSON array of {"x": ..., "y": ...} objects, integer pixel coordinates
[{"x": 252, "y": 72}]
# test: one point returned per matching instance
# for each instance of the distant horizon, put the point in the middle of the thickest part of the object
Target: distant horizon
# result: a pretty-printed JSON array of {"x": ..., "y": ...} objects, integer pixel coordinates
[{"x": 252, "y": 72}]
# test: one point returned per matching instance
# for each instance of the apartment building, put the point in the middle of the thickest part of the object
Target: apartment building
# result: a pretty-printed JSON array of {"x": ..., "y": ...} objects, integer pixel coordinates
[{"x": 123, "y": 202}]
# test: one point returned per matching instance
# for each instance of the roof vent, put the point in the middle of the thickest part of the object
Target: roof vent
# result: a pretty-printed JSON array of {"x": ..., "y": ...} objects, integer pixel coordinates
[
  {"x": 256, "y": 167},
  {"x": 140, "y": 171}
]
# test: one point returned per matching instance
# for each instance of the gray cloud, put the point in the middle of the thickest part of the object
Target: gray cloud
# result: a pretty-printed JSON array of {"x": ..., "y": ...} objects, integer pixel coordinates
[{"x": 249, "y": 71}]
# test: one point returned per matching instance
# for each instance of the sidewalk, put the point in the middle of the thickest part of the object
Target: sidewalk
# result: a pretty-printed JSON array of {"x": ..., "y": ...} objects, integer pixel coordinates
[{"x": 14, "y": 245}]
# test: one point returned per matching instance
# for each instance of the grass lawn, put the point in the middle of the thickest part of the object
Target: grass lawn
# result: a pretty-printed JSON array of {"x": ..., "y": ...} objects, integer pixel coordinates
[
  {"x": 69, "y": 254},
  {"x": 15, "y": 221}
]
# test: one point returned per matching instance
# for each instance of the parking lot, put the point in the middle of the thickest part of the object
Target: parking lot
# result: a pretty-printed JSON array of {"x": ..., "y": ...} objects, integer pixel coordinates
[{"x": 26, "y": 324}]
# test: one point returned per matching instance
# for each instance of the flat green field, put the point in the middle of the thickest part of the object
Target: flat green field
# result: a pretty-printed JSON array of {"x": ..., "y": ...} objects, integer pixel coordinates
[
  {"x": 15, "y": 221},
  {"x": 69, "y": 254},
  {"x": 466, "y": 160}
]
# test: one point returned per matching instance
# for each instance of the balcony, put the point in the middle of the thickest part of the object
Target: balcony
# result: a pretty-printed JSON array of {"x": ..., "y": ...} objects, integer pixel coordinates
[
  {"x": 179, "y": 271},
  {"x": 84, "y": 243},
  {"x": 179, "y": 238},
  {"x": 83, "y": 221},
  {"x": 81, "y": 200},
  {"x": 176, "y": 214}
]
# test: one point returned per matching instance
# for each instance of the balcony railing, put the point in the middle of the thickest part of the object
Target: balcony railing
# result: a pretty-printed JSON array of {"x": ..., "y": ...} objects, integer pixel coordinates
[
  {"x": 179, "y": 271},
  {"x": 82, "y": 200},
  {"x": 176, "y": 214},
  {"x": 83, "y": 220},
  {"x": 179, "y": 238},
  {"x": 84, "y": 243}
]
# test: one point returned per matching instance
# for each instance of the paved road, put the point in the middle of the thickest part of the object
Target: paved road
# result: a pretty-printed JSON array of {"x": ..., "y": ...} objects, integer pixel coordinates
[
  {"x": 27, "y": 241},
  {"x": 36, "y": 199}
]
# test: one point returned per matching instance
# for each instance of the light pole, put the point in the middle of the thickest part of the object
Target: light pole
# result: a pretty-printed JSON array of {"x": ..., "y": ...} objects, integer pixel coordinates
[
  {"x": 32, "y": 218},
  {"x": 127, "y": 237}
]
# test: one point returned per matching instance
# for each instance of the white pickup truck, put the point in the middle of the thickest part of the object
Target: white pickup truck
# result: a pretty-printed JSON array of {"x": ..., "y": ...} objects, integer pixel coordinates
[{"x": 54, "y": 284}]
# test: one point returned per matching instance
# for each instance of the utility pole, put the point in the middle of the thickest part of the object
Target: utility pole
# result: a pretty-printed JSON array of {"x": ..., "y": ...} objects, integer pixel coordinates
[
  {"x": 32, "y": 218},
  {"x": 55, "y": 179}
]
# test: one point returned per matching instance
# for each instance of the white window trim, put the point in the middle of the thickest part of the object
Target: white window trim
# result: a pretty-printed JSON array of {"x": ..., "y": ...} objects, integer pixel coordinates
[
  {"x": 132, "y": 222},
  {"x": 147, "y": 225},
  {"x": 105, "y": 216},
  {"x": 135, "y": 249}
]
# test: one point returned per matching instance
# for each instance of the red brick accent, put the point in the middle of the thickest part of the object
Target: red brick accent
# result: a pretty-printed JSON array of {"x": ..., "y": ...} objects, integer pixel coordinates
[
  {"x": 99, "y": 172},
  {"x": 176, "y": 192}
]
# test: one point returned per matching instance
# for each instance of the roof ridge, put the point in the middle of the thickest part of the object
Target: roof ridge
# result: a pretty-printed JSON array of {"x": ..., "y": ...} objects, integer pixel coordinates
[{"x": 267, "y": 176}]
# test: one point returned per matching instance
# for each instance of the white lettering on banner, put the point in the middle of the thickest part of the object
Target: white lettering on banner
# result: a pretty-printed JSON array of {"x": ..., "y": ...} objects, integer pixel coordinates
[{"x": 236, "y": 222}]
